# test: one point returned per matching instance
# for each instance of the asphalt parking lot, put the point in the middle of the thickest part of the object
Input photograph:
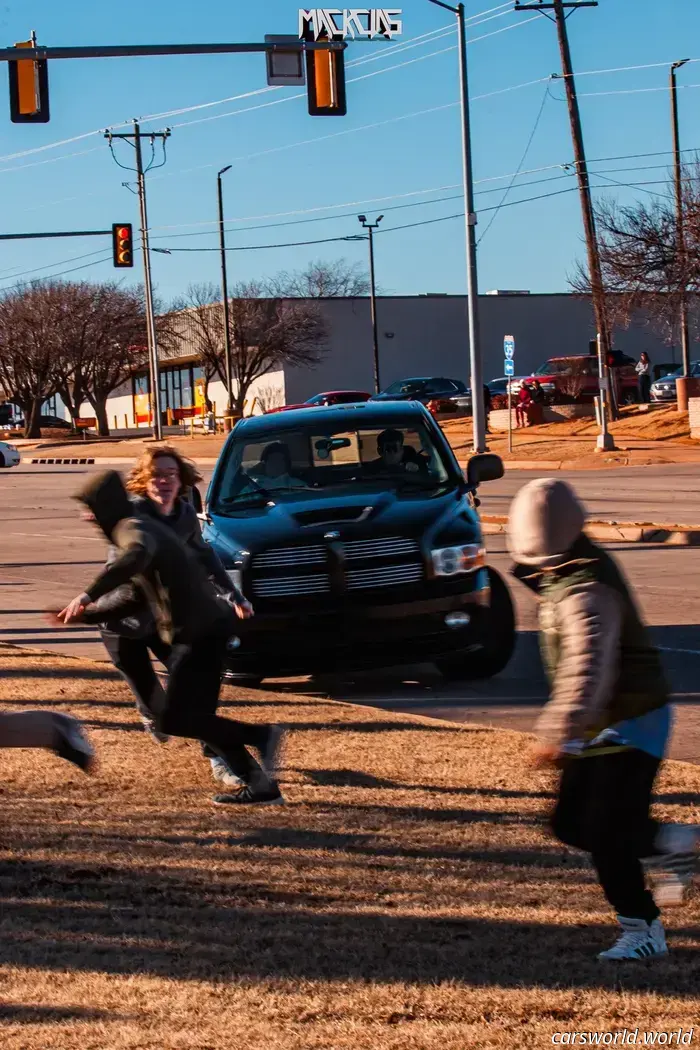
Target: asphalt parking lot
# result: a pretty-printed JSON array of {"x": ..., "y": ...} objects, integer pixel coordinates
[{"x": 49, "y": 554}]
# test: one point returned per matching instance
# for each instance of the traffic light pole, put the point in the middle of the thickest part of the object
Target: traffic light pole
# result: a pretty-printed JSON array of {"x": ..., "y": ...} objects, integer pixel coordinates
[
  {"x": 475, "y": 361},
  {"x": 154, "y": 369}
]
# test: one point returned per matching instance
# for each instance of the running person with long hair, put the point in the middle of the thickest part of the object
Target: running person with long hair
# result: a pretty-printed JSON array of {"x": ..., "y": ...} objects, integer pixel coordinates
[
  {"x": 159, "y": 485},
  {"x": 189, "y": 618}
]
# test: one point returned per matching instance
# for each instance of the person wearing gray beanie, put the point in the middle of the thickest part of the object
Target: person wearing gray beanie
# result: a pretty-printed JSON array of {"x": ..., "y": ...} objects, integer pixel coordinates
[{"x": 607, "y": 722}]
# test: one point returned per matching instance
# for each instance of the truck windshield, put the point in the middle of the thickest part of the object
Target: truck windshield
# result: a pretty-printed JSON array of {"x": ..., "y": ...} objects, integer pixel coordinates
[{"x": 304, "y": 462}]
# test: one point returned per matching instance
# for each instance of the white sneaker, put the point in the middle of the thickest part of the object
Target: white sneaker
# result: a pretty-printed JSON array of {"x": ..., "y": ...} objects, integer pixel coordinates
[
  {"x": 639, "y": 940},
  {"x": 222, "y": 772},
  {"x": 673, "y": 868}
]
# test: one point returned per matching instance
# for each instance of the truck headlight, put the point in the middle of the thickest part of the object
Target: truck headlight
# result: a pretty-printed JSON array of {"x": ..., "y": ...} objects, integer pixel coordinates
[{"x": 451, "y": 561}]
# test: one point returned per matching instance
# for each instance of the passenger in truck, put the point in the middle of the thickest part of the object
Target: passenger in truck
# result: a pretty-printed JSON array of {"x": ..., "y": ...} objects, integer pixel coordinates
[{"x": 395, "y": 456}]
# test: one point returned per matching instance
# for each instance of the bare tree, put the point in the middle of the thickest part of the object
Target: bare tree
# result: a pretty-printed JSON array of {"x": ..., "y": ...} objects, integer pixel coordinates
[
  {"x": 266, "y": 333},
  {"x": 76, "y": 339},
  {"x": 197, "y": 324},
  {"x": 337, "y": 279},
  {"x": 643, "y": 272},
  {"x": 28, "y": 349},
  {"x": 269, "y": 333}
]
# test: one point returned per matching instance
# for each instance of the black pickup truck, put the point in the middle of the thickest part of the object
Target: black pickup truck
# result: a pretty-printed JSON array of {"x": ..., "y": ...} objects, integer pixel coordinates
[{"x": 355, "y": 534}]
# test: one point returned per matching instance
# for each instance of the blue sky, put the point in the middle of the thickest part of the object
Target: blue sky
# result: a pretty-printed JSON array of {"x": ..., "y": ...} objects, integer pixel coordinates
[{"x": 286, "y": 163}]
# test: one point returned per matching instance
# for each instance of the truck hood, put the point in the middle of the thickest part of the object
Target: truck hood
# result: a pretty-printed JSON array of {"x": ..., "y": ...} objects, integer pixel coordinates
[{"x": 440, "y": 521}]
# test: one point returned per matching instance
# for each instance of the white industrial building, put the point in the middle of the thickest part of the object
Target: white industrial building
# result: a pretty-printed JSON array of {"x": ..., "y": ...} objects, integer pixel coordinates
[{"x": 418, "y": 335}]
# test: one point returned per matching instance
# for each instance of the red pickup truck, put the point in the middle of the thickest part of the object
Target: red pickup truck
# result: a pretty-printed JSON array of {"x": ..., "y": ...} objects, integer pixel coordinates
[{"x": 574, "y": 379}]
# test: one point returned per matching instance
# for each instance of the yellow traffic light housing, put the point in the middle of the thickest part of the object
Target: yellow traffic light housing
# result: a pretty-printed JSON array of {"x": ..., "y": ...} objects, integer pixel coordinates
[
  {"x": 122, "y": 245},
  {"x": 29, "y": 88},
  {"x": 325, "y": 74}
]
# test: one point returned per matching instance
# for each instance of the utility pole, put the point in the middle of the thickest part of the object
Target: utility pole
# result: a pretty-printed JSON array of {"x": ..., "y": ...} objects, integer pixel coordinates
[
  {"x": 475, "y": 360},
  {"x": 682, "y": 385},
  {"x": 224, "y": 292},
  {"x": 371, "y": 227},
  {"x": 560, "y": 7},
  {"x": 154, "y": 370}
]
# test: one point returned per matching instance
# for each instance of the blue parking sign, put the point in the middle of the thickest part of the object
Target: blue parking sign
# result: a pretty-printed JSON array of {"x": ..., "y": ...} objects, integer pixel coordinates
[
  {"x": 508, "y": 347},
  {"x": 508, "y": 368}
]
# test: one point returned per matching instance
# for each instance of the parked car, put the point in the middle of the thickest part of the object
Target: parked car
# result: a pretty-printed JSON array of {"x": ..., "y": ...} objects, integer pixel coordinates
[
  {"x": 9, "y": 456},
  {"x": 54, "y": 423},
  {"x": 665, "y": 389},
  {"x": 331, "y": 397},
  {"x": 355, "y": 534},
  {"x": 575, "y": 378},
  {"x": 425, "y": 389}
]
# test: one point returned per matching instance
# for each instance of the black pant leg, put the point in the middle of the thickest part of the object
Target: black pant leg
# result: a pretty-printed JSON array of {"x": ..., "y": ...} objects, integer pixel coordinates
[
  {"x": 603, "y": 808},
  {"x": 132, "y": 659},
  {"x": 191, "y": 700}
]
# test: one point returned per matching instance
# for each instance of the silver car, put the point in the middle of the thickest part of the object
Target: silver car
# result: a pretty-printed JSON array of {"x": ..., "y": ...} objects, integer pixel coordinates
[{"x": 664, "y": 389}]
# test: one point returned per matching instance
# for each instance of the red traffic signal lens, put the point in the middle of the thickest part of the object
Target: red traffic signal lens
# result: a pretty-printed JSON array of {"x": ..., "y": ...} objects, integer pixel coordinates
[{"x": 122, "y": 245}]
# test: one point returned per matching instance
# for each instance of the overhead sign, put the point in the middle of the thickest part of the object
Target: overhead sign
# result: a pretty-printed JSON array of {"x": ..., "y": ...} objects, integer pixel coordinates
[
  {"x": 508, "y": 347},
  {"x": 508, "y": 367},
  {"x": 359, "y": 23}
]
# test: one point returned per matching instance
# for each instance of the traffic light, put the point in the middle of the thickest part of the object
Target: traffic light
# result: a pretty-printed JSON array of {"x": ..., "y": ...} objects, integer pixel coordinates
[
  {"x": 122, "y": 245},
  {"x": 29, "y": 88},
  {"x": 325, "y": 76}
]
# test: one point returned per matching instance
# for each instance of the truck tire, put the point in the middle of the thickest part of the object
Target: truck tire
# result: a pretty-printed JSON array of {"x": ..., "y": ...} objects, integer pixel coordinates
[{"x": 498, "y": 634}]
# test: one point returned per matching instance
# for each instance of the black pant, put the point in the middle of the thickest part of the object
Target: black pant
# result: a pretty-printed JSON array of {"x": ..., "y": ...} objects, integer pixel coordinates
[
  {"x": 603, "y": 808},
  {"x": 644, "y": 384},
  {"x": 132, "y": 658},
  {"x": 191, "y": 700}
]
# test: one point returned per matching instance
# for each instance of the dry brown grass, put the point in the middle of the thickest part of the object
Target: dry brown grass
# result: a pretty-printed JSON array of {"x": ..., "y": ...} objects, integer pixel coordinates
[{"x": 406, "y": 897}]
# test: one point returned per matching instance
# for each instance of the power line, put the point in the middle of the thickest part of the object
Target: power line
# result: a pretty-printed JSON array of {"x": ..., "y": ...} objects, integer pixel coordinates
[{"x": 509, "y": 187}]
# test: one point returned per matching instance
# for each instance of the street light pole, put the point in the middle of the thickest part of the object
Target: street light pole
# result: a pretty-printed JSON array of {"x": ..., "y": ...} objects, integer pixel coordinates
[
  {"x": 224, "y": 292},
  {"x": 371, "y": 227},
  {"x": 682, "y": 387},
  {"x": 476, "y": 364}
]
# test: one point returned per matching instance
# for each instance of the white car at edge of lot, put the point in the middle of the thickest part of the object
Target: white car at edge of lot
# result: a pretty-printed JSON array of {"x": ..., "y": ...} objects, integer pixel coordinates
[{"x": 9, "y": 456}]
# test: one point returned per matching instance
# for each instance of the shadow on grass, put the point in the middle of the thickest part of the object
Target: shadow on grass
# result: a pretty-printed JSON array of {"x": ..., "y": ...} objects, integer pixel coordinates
[
  {"x": 353, "y": 778},
  {"x": 90, "y": 674},
  {"x": 181, "y": 929},
  {"x": 33, "y": 1014}
]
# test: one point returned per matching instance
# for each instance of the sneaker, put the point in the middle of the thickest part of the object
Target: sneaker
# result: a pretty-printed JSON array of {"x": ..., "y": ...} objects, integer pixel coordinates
[
  {"x": 249, "y": 796},
  {"x": 639, "y": 940},
  {"x": 222, "y": 772},
  {"x": 673, "y": 868},
  {"x": 270, "y": 751},
  {"x": 150, "y": 726},
  {"x": 72, "y": 743}
]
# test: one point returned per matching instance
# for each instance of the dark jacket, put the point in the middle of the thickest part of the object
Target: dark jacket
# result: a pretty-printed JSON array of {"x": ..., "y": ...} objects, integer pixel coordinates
[
  {"x": 151, "y": 556},
  {"x": 126, "y": 611},
  {"x": 601, "y": 664}
]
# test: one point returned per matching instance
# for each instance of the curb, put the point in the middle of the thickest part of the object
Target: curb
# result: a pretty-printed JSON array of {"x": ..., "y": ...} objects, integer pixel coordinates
[{"x": 616, "y": 531}]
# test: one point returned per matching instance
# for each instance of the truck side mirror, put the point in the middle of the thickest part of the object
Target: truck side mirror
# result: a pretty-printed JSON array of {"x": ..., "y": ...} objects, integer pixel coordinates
[{"x": 484, "y": 467}]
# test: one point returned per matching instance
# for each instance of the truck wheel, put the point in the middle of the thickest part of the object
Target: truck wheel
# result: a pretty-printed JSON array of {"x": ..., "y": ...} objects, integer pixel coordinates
[
  {"x": 2, "y": 461},
  {"x": 496, "y": 641}
]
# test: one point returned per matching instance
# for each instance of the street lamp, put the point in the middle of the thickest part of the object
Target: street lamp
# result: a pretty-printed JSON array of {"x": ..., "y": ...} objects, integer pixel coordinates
[
  {"x": 476, "y": 364},
  {"x": 224, "y": 292},
  {"x": 682, "y": 384},
  {"x": 371, "y": 227}
]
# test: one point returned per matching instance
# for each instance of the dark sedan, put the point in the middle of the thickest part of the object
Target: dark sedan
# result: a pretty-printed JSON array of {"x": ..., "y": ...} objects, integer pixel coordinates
[{"x": 425, "y": 389}]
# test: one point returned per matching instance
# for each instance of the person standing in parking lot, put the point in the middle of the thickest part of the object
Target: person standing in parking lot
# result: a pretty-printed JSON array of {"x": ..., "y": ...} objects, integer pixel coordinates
[
  {"x": 643, "y": 370},
  {"x": 190, "y": 619}
]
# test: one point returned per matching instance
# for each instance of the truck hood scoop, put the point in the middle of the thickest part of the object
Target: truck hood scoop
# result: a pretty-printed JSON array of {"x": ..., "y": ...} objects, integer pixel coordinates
[{"x": 332, "y": 515}]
